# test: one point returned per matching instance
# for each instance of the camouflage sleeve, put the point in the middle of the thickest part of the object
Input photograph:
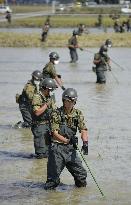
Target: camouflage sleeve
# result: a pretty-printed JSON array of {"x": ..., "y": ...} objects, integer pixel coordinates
[
  {"x": 52, "y": 71},
  {"x": 97, "y": 56},
  {"x": 30, "y": 90},
  {"x": 55, "y": 120},
  {"x": 36, "y": 102},
  {"x": 81, "y": 121}
]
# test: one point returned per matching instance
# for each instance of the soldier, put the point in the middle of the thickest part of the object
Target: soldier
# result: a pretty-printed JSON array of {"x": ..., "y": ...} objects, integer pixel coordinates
[
  {"x": 81, "y": 29},
  {"x": 45, "y": 31},
  {"x": 43, "y": 104},
  {"x": 49, "y": 70},
  {"x": 25, "y": 99},
  {"x": 107, "y": 43},
  {"x": 102, "y": 62},
  {"x": 8, "y": 16},
  {"x": 73, "y": 45},
  {"x": 62, "y": 152}
]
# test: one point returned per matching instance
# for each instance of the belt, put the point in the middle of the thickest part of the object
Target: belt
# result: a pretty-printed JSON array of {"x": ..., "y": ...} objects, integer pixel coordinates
[{"x": 40, "y": 123}]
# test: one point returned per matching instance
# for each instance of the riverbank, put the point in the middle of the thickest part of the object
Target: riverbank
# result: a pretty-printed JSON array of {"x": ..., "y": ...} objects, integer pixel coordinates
[
  {"x": 61, "y": 40},
  {"x": 59, "y": 20}
]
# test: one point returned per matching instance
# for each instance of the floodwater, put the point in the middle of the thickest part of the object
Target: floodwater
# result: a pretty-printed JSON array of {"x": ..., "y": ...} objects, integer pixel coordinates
[
  {"x": 55, "y": 30},
  {"x": 108, "y": 116}
]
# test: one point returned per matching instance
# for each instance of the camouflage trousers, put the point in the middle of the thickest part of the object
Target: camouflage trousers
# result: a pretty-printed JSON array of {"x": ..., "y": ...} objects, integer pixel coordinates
[
  {"x": 42, "y": 138},
  {"x": 60, "y": 156},
  {"x": 101, "y": 78},
  {"x": 73, "y": 55}
]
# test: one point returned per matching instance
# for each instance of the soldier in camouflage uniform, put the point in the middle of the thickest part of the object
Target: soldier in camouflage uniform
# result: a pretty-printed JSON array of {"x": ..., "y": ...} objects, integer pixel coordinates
[
  {"x": 62, "y": 152},
  {"x": 102, "y": 62},
  {"x": 45, "y": 31},
  {"x": 43, "y": 104},
  {"x": 25, "y": 99},
  {"x": 73, "y": 45},
  {"x": 49, "y": 70}
]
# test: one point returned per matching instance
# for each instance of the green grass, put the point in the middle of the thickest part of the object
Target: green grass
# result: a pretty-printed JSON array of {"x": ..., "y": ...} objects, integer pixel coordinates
[
  {"x": 60, "y": 40},
  {"x": 61, "y": 21}
]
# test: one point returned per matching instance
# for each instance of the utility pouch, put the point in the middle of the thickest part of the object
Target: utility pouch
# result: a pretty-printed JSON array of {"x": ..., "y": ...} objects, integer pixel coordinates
[
  {"x": 94, "y": 69},
  {"x": 17, "y": 97}
]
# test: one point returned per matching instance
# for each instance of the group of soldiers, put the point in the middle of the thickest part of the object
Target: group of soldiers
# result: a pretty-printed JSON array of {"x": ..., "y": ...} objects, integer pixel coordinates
[
  {"x": 125, "y": 26},
  {"x": 101, "y": 59},
  {"x": 54, "y": 129}
]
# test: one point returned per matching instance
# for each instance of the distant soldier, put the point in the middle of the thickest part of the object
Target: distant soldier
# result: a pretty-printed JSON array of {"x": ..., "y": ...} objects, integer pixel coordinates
[
  {"x": 116, "y": 26},
  {"x": 49, "y": 70},
  {"x": 81, "y": 29},
  {"x": 45, "y": 31},
  {"x": 100, "y": 20},
  {"x": 102, "y": 64},
  {"x": 107, "y": 43},
  {"x": 25, "y": 99},
  {"x": 8, "y": 16},
  {"x": 73, "y": 45},
  {"x": 128, "y": 24},
  {"x": 43, "y": 104}
]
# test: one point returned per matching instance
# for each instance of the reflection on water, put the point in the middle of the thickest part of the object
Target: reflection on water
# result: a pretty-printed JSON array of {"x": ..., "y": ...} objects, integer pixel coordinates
[{"x": 107, "y": 113}]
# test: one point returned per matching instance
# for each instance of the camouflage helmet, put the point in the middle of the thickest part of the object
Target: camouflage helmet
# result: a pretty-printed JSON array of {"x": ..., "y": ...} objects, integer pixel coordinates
[
  {"x": 108, "y": 43},
  {"x": 70, "y": 94},
  {"x": 75, "y": 33},
  {"x": 54, "y": 55},
  {"x": 37, "y": 75},
  {"x": 48, "y": 83}
]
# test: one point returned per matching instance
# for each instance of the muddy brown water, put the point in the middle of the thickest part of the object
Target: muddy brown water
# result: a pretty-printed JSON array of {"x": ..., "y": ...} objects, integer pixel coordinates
[{"x": 108, "y": 116}]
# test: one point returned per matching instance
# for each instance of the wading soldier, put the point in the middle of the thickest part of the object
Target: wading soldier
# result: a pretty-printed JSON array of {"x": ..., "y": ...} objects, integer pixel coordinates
[
  {"x": 25, "y": 99},
  {"x": 49, "y": 70},
  {"x": 43, "y": 104},
  {"x": 102, "y": 64},
  {"x": 62, "y": 152},
  {"x": 73, "y": 45}
]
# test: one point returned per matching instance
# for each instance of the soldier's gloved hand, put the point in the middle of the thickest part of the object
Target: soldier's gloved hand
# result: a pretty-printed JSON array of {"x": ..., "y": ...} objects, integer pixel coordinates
[
  {"x": 59, "y": 76},
  {"x": 85, "y": 148},
  {"x": 74, "y": 141},
  {"x": 63, "y": 88}
]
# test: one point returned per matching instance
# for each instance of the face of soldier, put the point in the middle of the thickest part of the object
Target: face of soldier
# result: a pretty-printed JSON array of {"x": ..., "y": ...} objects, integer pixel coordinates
[
  {"x": 36, "y": 82},
  {"x": 109, "y": 45},
  {"x": 46, "y": 92},
  {"x": 69, "y": 104},
  {"x": 56, "y": 62}
]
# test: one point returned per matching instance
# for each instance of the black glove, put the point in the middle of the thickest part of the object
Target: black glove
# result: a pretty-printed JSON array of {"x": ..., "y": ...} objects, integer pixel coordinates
[
  {"x": 59, "y": 76},
  {"x": 63, "y": 88},
  {"x": 85, "y": 148},
  {"x": 74, "y": 141}
]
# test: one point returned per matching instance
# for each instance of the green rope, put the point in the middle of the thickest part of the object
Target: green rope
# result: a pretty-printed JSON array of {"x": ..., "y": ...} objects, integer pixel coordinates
[{"x": 91, "y": 172}]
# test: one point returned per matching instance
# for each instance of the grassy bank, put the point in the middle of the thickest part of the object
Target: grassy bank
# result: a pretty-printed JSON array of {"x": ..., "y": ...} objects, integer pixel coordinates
[
  {"x": 60, "y": 40},
  {"x": 62, "y": 21}
]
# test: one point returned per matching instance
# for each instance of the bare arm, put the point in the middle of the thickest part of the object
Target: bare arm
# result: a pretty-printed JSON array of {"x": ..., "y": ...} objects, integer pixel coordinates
[
  {"x": 84, "y": 135},
  {"x": 59, "y": 137},
  {"x": 41, "y": 109},
  {"x": 59, "y": 81}
]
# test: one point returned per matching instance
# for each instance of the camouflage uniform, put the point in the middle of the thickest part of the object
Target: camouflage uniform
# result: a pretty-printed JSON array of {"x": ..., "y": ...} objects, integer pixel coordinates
[
  {"x": 65, "y": 155},
  {"x": 101, "y": 67},
  {"x": 45, "y": 32},
  {"x": 49, "y": 71},
  {"x": 41, "y": 124},
  {"x": 72, "y": 44},
  {"x": 25, "y": 100}
]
